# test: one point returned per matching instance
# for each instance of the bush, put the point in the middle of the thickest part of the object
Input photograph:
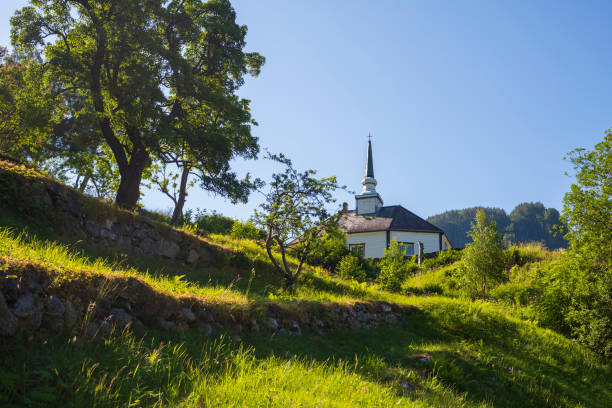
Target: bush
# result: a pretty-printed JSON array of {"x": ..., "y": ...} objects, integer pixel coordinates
[
  {"x": 329, "y": 250},
  {"x": 351, "y": 267},
  {"x": 394, "y": 269},
  {"x": 246, "y": 230},
  {"x": 443, "y": 258},
  {"x": 214, "y": 223}
]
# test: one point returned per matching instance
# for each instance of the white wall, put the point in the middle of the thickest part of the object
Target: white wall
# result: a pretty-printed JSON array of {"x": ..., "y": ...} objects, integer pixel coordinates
[
  {"x": 430, "y": 240},
  {"x": 367, "y": 205},
  {"x": 375, "y": 242}
]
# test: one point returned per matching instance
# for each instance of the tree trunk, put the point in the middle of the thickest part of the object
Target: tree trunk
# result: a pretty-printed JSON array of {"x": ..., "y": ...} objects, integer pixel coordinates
[
  {"x": 128, "y": 192},
  {"x": 178, "y": 208}
]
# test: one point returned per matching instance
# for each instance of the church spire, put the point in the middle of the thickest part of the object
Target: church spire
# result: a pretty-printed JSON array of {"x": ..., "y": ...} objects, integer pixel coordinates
[
  {"x": 368, "y": 201},
  {"x": 369, "y": 160}
]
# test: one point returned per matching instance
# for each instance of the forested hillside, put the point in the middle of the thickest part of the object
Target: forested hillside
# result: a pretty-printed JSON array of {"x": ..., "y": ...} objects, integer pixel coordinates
[{"x": 527, "y": 222}]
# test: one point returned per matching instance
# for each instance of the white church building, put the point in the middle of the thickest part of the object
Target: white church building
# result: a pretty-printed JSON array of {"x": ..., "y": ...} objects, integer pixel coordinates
[{"x": 371, "y": 226}]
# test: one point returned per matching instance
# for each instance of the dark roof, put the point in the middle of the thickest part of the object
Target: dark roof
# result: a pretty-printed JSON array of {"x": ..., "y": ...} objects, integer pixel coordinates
[
  {"x": 389, "y": 218},
  {"x": 369, "y": 162}
]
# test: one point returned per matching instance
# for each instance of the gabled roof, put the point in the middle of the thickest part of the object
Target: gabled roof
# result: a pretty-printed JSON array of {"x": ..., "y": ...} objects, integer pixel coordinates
[{"x": 389, "y": 218}]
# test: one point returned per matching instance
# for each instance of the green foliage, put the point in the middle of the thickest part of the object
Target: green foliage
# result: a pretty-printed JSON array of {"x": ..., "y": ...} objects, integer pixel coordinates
[
  {"x": 483, "y": 258},
  {"x": 442, "y": 258},
  {"x": 144, "y": 80},
  {"x": 329, "y": 250},
  {"x": 528, "y": 222},
  {"x": 26, "y": 111},
  {"x": 246, "y": 230},
  {"x": 294, "y": 214},
  {"x": 351, "y": 267},
  {"x": 394, "y": 268},
  {"x": 213, "y": 223}
]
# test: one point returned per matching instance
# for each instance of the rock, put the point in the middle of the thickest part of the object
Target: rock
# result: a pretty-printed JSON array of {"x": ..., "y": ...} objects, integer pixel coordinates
[
  {"x": 8, "y": 322},
  {"x": 282, "y": 332},
  {"x": 205, "y": 257},
  {"x": 188, "y": 315},
  {"x": 354, "y": 324},
  {"x": 254, "y": 326},
  {"x": 70, "y": 314},
  {"x": 206, "y": 315},
  {"x": 148, "y": 246},
  {"x": 166, "y": 325},
  {"x": 319, "y": 323},
  {"x": 92, "y": 228},
  {"x": 237, "y": 328},
  {"x": 10, "y": 287},
  {"x": 35, "y": 318},
  {"x": 24, "y": 306},
  {"x": 206, "y": 329},
  {"x": 385, "y": 308},
  {"x": 55, "y": 307},
  {"x": 169, "y": 249},
  {"x": 295, "y": 329},
  {"x": 390, "y": 318},
  {"x": 272, "y": 324},
  {"x": 119, "y": 318},
  {"x": 106, "y": 234},
  {"x": 192, "y": 257},
  {"x": 35, "y": 287},
  {"x": 176, "y": 236}
]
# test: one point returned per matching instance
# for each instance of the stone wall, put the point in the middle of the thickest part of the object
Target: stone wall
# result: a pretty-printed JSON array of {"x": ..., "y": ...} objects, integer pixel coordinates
[{"x": 31, "y": 303}]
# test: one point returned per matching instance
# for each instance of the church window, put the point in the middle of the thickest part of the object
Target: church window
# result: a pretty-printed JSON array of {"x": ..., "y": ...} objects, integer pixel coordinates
[
  {"x": 407, "y": 247},
  {"x": 357, "y": 249}
]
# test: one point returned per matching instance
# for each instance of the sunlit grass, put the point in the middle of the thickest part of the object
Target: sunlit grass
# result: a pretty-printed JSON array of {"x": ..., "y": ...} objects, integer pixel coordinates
[{"x": 69, "y": 263}]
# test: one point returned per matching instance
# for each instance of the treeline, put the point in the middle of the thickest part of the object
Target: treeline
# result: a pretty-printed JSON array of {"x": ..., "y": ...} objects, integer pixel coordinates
[{"x": 528, "y": 222}]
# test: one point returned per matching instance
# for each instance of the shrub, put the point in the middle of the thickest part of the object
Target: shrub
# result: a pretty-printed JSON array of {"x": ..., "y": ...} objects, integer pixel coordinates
[
  {"x": 351, "y": 267},
  {"x": 213, "y": 223},
  {"x": 443, "y": 258},
  {"x": 246, "y": 230},
  {"x": 394, "y": 269},
  {"x": 329, "y": 250}
]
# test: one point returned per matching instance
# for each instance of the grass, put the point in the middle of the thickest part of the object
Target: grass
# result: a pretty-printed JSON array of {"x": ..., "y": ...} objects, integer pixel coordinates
[{"x": 451, "y": 352}]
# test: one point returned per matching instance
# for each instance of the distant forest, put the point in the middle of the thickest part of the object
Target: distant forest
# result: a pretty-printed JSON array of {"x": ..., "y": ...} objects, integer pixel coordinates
[{"x": 526, "y": 223}]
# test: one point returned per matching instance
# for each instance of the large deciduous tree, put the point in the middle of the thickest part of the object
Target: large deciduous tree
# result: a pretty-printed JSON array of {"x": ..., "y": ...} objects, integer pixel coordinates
[{"x": 152, "y": 75}]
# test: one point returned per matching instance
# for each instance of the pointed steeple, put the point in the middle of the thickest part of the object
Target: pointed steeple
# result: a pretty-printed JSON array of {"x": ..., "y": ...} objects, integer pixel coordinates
[
  {"x": 369, "y": 161},
  {"x": 368, "y": 201}
]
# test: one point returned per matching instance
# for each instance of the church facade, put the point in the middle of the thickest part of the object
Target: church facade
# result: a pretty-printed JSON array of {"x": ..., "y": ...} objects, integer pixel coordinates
[{"x": 371, "y": 226}]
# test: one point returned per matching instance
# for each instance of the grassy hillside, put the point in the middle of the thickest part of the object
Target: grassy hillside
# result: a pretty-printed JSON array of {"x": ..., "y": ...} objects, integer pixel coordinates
[{"x": 450, "y": 351}]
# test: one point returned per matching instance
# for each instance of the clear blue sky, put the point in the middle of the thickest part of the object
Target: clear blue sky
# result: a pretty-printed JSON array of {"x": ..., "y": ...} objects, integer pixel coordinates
[{"x": 470, "y": 103}]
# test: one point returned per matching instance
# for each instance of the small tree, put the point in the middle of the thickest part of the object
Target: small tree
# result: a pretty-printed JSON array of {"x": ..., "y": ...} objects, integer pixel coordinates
[
  {"x": 351, "y": 267},
  {"x": 393, "y": 267},
  {"x": 483, "y": 259},
  {"x": 294, "y": 214}
]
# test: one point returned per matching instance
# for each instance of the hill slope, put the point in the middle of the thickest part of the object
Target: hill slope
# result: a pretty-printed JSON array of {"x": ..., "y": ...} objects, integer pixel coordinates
[
  {"x": 413, "y": 350},
  {"x": 528, "y": 222}
]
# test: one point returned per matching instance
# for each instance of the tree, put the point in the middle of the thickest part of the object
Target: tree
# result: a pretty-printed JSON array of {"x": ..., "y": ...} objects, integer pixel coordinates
[
  {"x": 152, "y": 75},
  {"x": 294, "y": 215},
  {"x": 588, "y": 214},
  {"x": 483, "y": 258},
  {"x": 26, "y": 109},
  {"x": 394, "y": 268}
]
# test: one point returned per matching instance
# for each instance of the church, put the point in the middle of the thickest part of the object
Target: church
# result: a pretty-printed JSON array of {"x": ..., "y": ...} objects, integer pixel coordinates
[{"x": 371, "y": 226}]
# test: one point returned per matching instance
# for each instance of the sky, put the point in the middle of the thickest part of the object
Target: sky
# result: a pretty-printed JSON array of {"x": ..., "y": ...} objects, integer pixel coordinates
[{"x": 468, "y": 103}]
